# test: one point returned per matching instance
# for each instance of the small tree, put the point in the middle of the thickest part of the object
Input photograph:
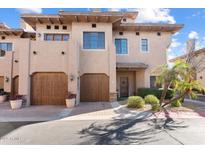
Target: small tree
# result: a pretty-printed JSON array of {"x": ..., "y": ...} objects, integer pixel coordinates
[{"x": 181, "y": 77}]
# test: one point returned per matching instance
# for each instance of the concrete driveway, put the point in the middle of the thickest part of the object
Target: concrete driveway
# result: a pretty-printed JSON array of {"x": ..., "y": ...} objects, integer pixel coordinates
[
  {"x": 32, "y": 113},
  {"x": 107, "y": 123}
]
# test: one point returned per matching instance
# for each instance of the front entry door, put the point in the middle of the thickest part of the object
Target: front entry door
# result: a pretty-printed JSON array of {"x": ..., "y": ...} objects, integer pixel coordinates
[{"x": 124, "y": 87}]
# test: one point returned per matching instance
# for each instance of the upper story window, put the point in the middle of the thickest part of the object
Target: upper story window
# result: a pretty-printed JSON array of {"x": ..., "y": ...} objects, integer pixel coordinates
[
  {"x": 144, "y": 45},
  {"x": 93, "y": 40},
  {"x": 6, "y": 46},
  {"x": 56, "y": 37},
  {"x": 121, "y": 46}
]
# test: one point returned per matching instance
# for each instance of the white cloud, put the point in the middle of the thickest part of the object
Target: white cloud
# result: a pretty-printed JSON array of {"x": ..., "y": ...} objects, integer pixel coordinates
[
  {"x": 30, "y": 10},
  {"x": 193, "y": 35},
  {"x": 155, "y": 16},
  {"x": 150, "y": 15}
]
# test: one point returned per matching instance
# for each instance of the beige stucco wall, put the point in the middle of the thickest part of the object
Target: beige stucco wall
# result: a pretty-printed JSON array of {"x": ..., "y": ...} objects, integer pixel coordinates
[
  {"x": 10, "y": 57},
  {"x": 96, "y": 61},
  {"x": 157, "y": 54},
  {"x": 41, "y": 30}
]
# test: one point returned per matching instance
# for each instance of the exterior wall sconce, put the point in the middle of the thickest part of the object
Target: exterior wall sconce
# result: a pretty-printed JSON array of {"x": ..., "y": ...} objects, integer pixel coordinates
[
  {"x": 72, "y": 77},
  {"x": 7, "y": 79},
  {"x": 39, "y": 34},
  {"x": 63, "y": 53},
  {"x": 34, "y": 52}
]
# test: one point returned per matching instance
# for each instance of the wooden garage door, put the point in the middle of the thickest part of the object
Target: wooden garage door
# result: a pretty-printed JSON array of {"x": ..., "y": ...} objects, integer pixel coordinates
[
  {"x": 49, "y": 88},
  {"x": 94, "y": 87},
  {"x": 1, "y": 82}
]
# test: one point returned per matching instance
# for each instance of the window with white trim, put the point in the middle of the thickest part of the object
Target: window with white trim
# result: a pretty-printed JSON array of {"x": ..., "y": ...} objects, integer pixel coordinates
[
  {"x": 93, "y": 40},
  {"x": 121, "y": 46},
  {"x": 144, "y": 45}
]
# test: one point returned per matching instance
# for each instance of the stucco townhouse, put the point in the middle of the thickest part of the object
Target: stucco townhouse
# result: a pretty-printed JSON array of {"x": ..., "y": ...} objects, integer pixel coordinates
[
  {"x": 98, "y": 56},
  {"x": 198, "y": 60}
]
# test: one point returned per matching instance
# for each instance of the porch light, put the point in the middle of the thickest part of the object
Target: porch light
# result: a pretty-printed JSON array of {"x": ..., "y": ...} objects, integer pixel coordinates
[
  {"x": 7, "y": 79},
  {"x": 72, "y": 77}
]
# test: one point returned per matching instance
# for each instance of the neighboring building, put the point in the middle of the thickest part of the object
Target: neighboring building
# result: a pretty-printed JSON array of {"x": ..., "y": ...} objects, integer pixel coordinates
[
  {"x": 199, "y": 56},
  {"x": 97, "y": 55}
]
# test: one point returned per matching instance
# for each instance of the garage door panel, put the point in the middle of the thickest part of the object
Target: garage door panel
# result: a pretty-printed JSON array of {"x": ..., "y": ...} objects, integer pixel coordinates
[
  {"x": 49, "y": 88},
  {"x": 94, "y": 87}
]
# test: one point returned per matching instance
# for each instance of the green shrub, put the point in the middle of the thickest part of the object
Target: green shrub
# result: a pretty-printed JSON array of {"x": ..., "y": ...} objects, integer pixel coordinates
[
  {"x": 155, "y": 106},
  {"x": 135, "y": 102},
  {"x": 150, "y": 99},
  {"x": 176, "y": 103},
  {"x": 154, "y": 91}
]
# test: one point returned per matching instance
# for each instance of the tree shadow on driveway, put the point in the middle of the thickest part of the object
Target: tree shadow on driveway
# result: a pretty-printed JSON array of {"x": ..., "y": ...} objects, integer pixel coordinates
[
  {"x": 7, "y": 127},
  {"x": 129, "y": 131}
]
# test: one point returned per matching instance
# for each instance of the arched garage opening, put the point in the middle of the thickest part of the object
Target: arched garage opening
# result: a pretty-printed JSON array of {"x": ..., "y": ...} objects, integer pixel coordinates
[
  {"x": 49, "y": 88},
  {"x": 94, "y": 87}
]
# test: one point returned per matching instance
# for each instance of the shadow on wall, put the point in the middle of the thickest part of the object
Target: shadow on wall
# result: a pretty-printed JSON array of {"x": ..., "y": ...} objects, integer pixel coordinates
[{"x": 129, "y": 131}]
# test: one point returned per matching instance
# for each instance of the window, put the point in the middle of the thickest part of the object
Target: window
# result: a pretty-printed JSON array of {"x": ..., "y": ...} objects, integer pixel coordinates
[
  {"x": 48, "y": 37},
  {"x": 121, "y": 46},
  {"x": 6, "y": 46},
  {"x": 65, "y": 37},
  {"x": 144, "y": 45},
  {"x": 48, "y": 27},
  {"x": 56, "y": 37},
  {"x": 153, "y": 82},
  {"x": 93, "y": 40}
]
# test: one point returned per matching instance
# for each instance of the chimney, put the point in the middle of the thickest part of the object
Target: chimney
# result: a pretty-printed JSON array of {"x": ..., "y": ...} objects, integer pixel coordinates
[{"x": 190, "y": 45}]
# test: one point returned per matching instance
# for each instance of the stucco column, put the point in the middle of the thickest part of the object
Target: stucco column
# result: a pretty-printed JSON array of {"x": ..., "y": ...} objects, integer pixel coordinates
[
  {"x": 73, "y": 68},
  {"x": 24, "y": 68},
  {"x": 112, "y": 73}
]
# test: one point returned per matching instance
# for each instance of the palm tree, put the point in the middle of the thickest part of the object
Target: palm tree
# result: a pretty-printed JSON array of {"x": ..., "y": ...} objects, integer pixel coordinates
[{"x": 181, "y": 77}]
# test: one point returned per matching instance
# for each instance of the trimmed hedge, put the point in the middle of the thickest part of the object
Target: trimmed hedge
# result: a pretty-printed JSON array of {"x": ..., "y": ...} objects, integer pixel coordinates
[
  {"x": 155, "y": 106},
  {"x": 150, "y": 99},
  {"x": 176, "y": 103},
  {"x": 154, "y": 91},
  {"x": 135, "y": 102}
]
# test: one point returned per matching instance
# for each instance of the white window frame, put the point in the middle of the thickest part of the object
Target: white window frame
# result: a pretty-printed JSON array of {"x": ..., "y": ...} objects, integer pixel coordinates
[
  {"x": 90, "y": 50},
  {"x": 127, "y": 46},
  {"x": 147, "y": 45}
]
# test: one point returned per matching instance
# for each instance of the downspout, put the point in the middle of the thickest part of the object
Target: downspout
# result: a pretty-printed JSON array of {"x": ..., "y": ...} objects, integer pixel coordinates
[{"x": 11, "y": 76}]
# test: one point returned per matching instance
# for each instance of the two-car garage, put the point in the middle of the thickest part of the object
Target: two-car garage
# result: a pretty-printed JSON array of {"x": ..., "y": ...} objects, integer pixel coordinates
[{"x": 52, "y": 88}]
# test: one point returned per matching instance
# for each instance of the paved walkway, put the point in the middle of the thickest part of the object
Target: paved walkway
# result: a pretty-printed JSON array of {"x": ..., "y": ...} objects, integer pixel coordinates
[
  {"x": 93, "y": 111},
  {"x": 32, "y": 113}
]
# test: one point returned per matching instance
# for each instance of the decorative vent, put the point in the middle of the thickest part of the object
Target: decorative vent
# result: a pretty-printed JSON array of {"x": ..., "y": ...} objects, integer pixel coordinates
[
  {"x": 56, "y": 27},
  {"x": 137, "y": 33},
  {"x": 3, "y": 37},
  {"x": 64, "y": 27},
  {"x": 48, "y": 27},
  {"x": 120, "y": 33},
  {"x": 94, "y": 25},
  {"x": 158, "y": 33}
]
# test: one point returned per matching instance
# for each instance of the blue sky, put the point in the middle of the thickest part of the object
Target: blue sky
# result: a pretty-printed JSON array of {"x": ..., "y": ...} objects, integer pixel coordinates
[{"x": 192, "y": 18}]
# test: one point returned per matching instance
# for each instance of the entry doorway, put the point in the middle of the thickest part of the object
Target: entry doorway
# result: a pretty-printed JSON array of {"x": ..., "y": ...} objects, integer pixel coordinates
[{"x": 124, "y": 87}]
